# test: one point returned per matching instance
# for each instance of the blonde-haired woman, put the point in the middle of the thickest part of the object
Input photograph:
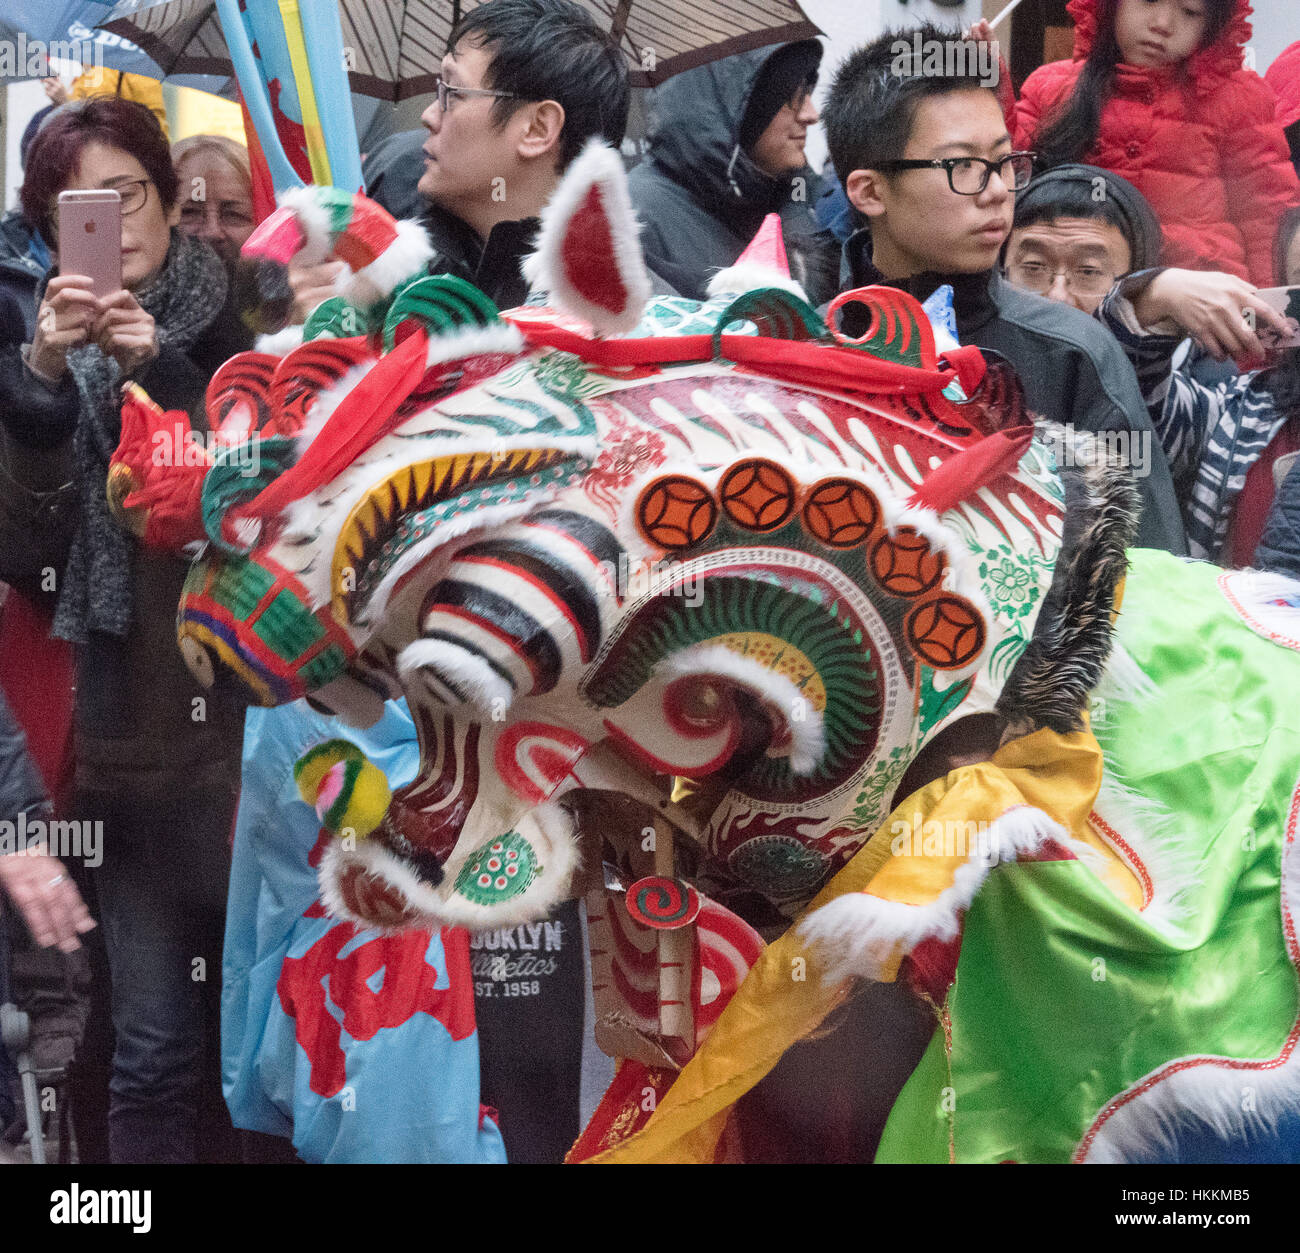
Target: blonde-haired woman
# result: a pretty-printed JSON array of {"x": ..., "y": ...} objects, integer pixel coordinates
[{"x": 215, "y": 193}]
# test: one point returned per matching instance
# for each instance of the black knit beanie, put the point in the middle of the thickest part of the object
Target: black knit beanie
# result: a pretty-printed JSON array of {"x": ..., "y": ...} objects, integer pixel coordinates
[
  {"x": 1072, "y": 188},
  {"x": 784, "y": 72}
]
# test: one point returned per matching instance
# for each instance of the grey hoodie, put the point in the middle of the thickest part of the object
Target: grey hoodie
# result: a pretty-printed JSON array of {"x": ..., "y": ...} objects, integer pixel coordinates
[{"x": 699, "y": 196}]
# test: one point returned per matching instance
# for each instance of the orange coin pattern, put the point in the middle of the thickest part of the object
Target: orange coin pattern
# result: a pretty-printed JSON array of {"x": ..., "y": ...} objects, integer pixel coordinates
[
  {"x": 676, "y": 511},
  {"x": 904, "y": 564},
  {"x": 945, "y": 631},
  {"x": 841, "y": 513},
  {"x": 758, "y": 494}
]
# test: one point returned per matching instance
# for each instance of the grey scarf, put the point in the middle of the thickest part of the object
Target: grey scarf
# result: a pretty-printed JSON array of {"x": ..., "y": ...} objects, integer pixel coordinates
[{"x": 184, "y": 300}]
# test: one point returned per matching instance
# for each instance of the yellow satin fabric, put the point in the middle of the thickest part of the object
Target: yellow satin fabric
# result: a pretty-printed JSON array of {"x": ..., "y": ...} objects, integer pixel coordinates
[{"x": 784, "y": 999}]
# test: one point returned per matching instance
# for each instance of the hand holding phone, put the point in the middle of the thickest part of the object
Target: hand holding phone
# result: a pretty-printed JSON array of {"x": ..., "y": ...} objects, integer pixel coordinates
[
  {"x": 125, "y": 331},
  {"x": 63, "y": 321}
]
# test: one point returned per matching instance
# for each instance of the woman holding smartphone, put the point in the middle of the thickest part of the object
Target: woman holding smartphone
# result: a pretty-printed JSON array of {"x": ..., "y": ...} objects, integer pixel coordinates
[{"x": 156, "y": 757}]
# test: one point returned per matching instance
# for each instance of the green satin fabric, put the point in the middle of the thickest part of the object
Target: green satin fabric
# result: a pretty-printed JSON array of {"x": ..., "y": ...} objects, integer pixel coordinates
[{"x": 1064, "y": 996}]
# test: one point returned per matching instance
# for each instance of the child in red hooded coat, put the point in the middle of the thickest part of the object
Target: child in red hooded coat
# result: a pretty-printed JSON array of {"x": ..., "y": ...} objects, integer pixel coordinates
[{"x": 1157, "y": 93}]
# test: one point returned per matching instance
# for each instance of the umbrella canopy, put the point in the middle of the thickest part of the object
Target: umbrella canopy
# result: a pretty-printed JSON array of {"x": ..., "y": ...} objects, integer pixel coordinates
[
  {"x": 393, "y": 47},
  {"x": 67, "y": 29}
]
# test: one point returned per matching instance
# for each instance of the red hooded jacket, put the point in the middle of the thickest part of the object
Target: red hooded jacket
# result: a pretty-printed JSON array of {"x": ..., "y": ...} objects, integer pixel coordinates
[{"x": 1201, "y": 141}]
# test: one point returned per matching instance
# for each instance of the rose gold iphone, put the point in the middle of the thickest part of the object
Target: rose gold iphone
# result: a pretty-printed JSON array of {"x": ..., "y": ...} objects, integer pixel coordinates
[{"x": 90, "y": 237}]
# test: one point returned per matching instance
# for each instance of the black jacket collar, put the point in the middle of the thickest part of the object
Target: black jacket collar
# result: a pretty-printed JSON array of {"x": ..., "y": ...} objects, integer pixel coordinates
[
  {"x": 975, "y": 296},
  {"x": 493, "y": 265}
]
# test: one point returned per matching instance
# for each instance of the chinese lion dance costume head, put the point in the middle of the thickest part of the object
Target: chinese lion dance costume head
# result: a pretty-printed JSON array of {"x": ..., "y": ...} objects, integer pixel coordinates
[{"x": 683, "y": 596}]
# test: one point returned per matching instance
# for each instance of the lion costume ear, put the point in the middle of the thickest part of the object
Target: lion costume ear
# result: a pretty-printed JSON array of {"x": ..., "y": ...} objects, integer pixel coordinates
[{"x": 588, "y": 254}]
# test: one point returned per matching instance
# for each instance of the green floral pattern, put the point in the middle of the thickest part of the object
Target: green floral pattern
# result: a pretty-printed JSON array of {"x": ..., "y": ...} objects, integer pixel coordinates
[
  {"x": 877, "y": 791},
  {"x": 1011, "y": 580}
]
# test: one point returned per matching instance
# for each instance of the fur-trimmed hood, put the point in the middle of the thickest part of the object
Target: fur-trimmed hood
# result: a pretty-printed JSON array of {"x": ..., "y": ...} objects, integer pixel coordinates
[{"x": 1207, "y": 68}]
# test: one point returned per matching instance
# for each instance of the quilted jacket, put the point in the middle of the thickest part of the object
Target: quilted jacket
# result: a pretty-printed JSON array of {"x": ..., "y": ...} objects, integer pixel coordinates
[{"x": 1200, "y": 141}]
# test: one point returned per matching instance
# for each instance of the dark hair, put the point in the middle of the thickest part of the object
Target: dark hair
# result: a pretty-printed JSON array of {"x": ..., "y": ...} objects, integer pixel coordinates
[
  {"x": 1286, "y": 232},
  {"x": 56, "y": 151},
  {"x": 875, "y": 94},
  {"x": 1071, "y": 132},
  {"x": 552, "y": 50}
]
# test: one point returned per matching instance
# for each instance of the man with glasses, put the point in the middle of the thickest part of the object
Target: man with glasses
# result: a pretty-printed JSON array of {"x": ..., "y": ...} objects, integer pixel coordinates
[
  {"x": 927, "y": 162},
  {"x": 523, "y": 87},
  {"x": 726, "y": 148},
  {"x": 1077, "y": 229}
]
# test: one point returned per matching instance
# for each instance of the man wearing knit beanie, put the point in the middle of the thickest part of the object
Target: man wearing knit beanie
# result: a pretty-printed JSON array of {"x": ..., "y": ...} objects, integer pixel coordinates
[
  {"x": 726, "y": 148},
  {"x": 1077, "y": 229}
]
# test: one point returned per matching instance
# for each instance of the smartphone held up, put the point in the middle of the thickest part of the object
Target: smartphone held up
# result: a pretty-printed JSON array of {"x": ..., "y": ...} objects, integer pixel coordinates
[
  {"x": 90, "y": 237},
  {"x": 1284, "y": 301}
]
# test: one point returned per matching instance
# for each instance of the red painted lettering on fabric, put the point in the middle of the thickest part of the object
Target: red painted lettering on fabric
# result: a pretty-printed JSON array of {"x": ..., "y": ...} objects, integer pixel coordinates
[{"x": 407, "y": 989}]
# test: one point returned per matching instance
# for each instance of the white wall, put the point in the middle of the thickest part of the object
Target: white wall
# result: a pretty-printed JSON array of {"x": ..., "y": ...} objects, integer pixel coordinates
[
  {"x": 849, "y": 23},
  {"x": 1277, "y": 26}
]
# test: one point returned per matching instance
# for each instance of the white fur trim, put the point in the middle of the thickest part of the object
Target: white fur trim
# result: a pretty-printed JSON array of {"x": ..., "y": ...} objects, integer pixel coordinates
[
  {"x": 859, "y": 934},
  {"x": 1249, "y": 593},
  {"x": 313, "y": 221},
  {"x": 1190, "y": 1095},
  {"x": 1151, "y": 832},
  {"x": 807, "y": 734},
  {"x": 404, "y": 258},
  {"x": 282, "y": 343},
  {"x": 486, "y": 691},
  {"x": 1123, "y": 682},
  {"x": 735, "y": 280},
  {"x": 327, "y": 401},
  {"x": 602, "y": 167},
  {"x": 440, "y": 906},
  {"x": 475, "y": 341}
]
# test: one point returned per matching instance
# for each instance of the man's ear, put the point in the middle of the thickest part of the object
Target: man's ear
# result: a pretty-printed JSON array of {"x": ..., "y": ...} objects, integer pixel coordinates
[
  {"x": 542, "y": 134},
  {"x": 865, "y": 190}
]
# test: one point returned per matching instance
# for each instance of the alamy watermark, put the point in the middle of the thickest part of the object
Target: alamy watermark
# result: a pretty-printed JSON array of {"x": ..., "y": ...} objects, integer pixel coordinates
[
  {"x": 1115, "y": 450},
  {"x": 57, "y": 837},
  {"x": 179, "y": 445},
  {"x": 655, "y": 578},
  {"x": 30, "y": 58},
  {"x": 946, "y": 58},
  {"x": 971, "y": 840}
]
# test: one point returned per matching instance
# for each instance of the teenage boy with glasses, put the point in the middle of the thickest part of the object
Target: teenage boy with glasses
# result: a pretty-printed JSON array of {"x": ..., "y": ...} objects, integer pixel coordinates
[{"x": 927, "y": 162}]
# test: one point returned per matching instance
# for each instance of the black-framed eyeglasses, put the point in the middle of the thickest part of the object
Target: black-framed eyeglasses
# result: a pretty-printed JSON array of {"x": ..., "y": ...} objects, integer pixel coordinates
[
  {"x": 134, "y": 193},
  {"x": 968, "y": 176},
  {"x": 446, "y": 91}
]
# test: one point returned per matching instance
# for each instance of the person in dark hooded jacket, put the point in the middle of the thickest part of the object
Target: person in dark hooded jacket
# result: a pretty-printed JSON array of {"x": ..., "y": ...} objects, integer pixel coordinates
[{"x": 725, "y": 149}]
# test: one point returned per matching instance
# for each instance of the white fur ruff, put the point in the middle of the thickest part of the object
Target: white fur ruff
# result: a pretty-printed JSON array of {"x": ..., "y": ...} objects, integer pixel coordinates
[
  {"x": 557, "y": 852},
  {"x": 404, "y": 258},
  {"x": 282, "y": 343},
  {"x": 858, "y": 935},
  {"x": 746, "y": 276},
  {"x": 485, "y": 690},
  {"x": 779, "y": 694}
]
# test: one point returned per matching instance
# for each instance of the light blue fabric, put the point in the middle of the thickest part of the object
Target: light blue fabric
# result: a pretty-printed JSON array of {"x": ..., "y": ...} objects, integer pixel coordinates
[{"x": 410, "y": 1092}]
